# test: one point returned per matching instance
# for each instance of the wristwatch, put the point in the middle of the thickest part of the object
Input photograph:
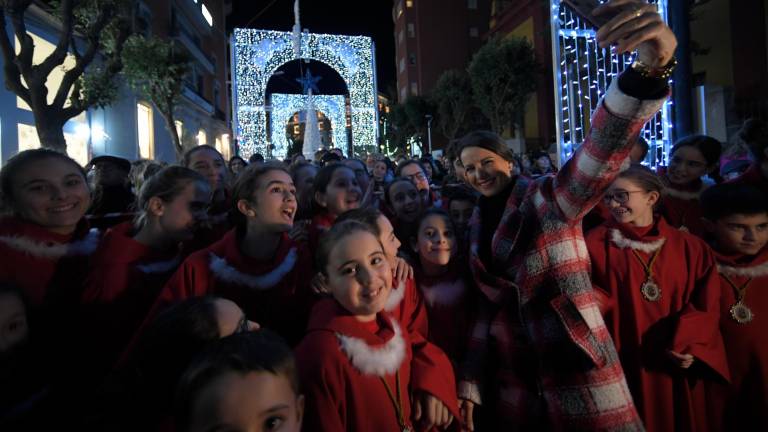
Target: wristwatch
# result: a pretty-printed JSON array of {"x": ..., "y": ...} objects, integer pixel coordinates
[{"x": 663, "y": 72}]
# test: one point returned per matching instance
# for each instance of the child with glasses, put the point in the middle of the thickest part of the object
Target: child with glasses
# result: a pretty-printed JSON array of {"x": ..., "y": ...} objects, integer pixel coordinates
[{"x": 659, "y": 292}]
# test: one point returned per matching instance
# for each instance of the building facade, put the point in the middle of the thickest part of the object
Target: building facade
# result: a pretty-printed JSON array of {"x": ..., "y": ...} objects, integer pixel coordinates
[{"x": 131, "y": 127}]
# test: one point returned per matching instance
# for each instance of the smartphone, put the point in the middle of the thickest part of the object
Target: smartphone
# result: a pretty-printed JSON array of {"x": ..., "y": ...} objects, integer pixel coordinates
[{"x": 585, "y": 7}]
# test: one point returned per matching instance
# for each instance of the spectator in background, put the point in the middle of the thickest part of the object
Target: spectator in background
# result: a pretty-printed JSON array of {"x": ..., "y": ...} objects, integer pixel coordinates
[
  {"x": 361, "y": 173},
  {"x": 542, "y": 164},
  {"x": 754, "y": 133},
  {"x": 256, "y": 158},
  {"x": 236, "y": 165},
  {"x": 112, "y": 190},
  {"x": 639, "y": 151}
]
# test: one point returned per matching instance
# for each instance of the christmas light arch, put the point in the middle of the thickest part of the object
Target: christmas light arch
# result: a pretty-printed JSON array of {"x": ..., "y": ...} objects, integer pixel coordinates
[
  {"x": 286, "y": 105},
  {"x": 257, "y": 54},
  {"x": 583, "y": 72}
]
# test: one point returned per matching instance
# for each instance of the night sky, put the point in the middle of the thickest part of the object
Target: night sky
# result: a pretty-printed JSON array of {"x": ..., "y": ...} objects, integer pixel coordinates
[{"x": 346, "y": 17}]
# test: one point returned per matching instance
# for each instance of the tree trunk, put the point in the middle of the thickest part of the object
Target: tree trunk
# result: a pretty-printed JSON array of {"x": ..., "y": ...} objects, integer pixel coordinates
[
  {"x": 170, "y": 124},
  {"x": 50, "y": 130}
]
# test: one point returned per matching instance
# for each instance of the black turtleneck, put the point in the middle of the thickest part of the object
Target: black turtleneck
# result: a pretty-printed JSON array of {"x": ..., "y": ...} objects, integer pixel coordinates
[{"x": 491, "y": 210}]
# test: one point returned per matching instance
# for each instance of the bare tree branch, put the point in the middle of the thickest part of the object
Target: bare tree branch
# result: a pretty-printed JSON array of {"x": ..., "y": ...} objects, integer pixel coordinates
[
  {"x": 59, "y": 54},
  {"x": 11, "y": 69}
]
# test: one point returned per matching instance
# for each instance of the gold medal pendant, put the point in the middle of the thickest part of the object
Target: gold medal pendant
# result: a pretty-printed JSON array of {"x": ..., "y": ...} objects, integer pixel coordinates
[
  {"x": 650, "y": 290},
  {"x": 741, "y": 313}
]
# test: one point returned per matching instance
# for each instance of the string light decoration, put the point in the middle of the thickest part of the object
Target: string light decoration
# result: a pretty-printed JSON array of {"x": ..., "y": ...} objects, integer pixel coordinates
[
  {"x": 583, "y": 71},
  {"x": 285, "y": 105},
  {"x": 257, "y": 54}
]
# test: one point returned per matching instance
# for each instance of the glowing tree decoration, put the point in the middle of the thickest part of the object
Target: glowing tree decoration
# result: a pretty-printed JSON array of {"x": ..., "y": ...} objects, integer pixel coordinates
[
  {"x": 286, "y": 105},
  {"x": 257, "y": 54},
  {"x": 582, "y": 73},
  {"x": 311, "y": 142}
]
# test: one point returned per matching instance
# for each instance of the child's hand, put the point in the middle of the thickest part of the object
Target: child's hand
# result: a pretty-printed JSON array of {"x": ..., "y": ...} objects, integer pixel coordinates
[
  {"x": 430, "y": 411},
  {"x": 683, "y": 361},
  {"x": 318, "y": 285},
  {"x": 466, "y": 408},
  {"x": 402, "y": 270},
  {"x": 299, "y": 233}
]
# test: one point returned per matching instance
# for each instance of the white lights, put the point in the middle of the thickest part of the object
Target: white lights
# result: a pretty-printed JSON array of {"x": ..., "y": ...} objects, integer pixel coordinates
[
  {"x": 257, "y": 54},
  {"x": 285, "y": 105},
  {"x": 582, "y": 75},
  {"x": 207, "y": 15}
]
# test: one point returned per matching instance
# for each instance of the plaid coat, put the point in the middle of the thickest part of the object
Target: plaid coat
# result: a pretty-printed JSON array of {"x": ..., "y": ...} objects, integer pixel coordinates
[{"x": 554, "y": 364}]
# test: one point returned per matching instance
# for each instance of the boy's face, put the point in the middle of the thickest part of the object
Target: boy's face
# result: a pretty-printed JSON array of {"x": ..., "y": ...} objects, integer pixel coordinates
[
  {"x": 741, "y": 234},
  {"x": 254, "y": 402}
]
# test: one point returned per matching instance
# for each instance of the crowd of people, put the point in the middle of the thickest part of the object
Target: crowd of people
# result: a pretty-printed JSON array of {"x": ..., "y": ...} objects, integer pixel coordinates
[{"x": 479, "y": 292}]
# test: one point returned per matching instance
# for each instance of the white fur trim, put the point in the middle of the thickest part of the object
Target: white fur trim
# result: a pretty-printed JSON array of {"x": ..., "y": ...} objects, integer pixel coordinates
[
  {"x": 623, "y": 243},
  {"x": 752, "y": 272},
  {"x": 443, "y": 294},
  {"x": 470, "y": 391},
  {"x": 627, "y": 107},
  {"x": 395, "y": 297},
  {"x": 380, "y": 361},
  {"x": 688, "y": 196},
  {"x": 86, "y": 246},
  {"x": 223, "y": 271},
  {"x": 160, "y": 266}
]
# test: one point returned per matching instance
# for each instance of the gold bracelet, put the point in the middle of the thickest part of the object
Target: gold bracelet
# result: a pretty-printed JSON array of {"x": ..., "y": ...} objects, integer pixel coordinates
[{"x": 646, "y": 71}]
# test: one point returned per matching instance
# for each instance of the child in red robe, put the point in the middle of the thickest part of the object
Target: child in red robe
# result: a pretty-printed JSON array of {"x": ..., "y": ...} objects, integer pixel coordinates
[
  {"x": 335, "y": 191},
  {"x": 355, "y": 363},
  {"x": 134, "y": 262},
  {"x": 440, "y": 280},
  {"x": 690, "y": 159},
  {"x": 737, "y": 218},
  {"x": 659, "y": 294},
  {"x": 255, "y": 265}
]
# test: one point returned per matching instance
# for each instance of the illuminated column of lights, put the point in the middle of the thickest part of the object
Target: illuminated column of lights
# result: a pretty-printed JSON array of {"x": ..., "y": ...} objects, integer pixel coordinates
[
  {"x": 285, "y": 105},
  {"x": 583, "y": 71},
  {"x": 257, "y": 54}
]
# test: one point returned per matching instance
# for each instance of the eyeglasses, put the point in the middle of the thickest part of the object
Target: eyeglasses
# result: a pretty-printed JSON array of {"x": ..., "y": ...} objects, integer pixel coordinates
[
  {"x": 619, "y": 196},
  {"x": 416, "y": 177}
]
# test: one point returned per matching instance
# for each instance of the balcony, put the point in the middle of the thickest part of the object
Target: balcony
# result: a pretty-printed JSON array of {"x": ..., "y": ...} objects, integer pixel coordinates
[
  {"x": 193, "y": 47},
  {"x": 198, "y": 100}
]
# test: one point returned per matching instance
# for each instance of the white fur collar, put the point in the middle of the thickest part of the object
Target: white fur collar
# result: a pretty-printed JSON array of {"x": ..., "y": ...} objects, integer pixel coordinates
[
  {"x": 86, "y": 246},
  {"x": 380, "y": 361},
  {"x": 752, "y": 272},
  {"x": 443, "y": 294},
  {"x": 160, "y": 266},
  {"x": 683, "y": 195},
  {"x": 395, "y": 297},
  {"x": 622, "y": 242},
  {"x": 223, "y": 271}
]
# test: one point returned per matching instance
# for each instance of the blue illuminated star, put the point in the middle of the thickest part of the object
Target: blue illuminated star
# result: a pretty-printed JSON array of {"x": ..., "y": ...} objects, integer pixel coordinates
[{"x": 309, "y": 82}]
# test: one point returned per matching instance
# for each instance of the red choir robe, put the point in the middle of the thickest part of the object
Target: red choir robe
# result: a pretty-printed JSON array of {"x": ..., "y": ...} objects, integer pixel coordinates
[
  {"x": 743, "y": 405},
  {"x": 124, "y": 280},
  {"x": 447, "y": 300},
  {"x": 753, "y": 176},
  {"x": 319, "y": 224},
  {"x": 681, "y": 209},
  {"x": 48, "y": 267},
  {"x": 273, "y": 293},
  {"x": 685, "y": 319},
  {"x": 342, "y": 362}
]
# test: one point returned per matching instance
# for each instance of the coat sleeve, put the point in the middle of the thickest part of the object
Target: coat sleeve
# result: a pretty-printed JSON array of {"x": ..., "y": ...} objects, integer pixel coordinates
[
  {"x": 616, "y": 124},
  {"x": 698, "y": 326},
  {"x": 473, "y": 367}
]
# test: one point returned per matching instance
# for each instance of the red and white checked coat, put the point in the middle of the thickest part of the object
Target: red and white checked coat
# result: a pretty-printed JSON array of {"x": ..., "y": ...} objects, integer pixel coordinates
[{"x": 552, "y": 363}]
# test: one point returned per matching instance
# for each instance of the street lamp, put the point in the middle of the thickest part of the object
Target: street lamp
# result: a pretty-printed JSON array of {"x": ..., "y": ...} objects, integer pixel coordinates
[{"x": 429, "y": 133}]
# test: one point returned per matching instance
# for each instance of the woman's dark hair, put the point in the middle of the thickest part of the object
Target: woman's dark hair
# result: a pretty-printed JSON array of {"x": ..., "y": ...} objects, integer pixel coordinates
[
  {"x": 247, "y": 183},
  {"x": 709, "y": 147},
  {"x": 727, "y": 199},
  {"x": 243, "y": 353},
  {"x": 186, "y": 159},
  {"x": 754, "y": 133},
  {"x": 433, "y": 211},
  {"x": 365, "y": 215},
  {"x": 337, "y": 232},
  {"x": 298, "y": 166},
  {"x": 461, "y": 193},
  {"x": 166, "y": 184},
  {"x": 487, "y": 140},
  {"x": 405, "y": 163},
  {"x": 322, "y": 180},
  {"x": 234, "y": 158},
  {"x": 18, "y": 162},
  {"x": 644, "y": 177},
  {"x": 391, "y": 184}
]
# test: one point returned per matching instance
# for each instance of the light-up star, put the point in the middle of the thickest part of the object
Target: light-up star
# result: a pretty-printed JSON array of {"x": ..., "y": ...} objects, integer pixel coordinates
[{"x": 309, "y": 82}]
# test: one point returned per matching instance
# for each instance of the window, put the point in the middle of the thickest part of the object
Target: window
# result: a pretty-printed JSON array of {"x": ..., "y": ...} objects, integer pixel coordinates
[
  {"x": 179, "y": 128},
  {"x": 471, "y": 4},
  {"x": 77, "y": 143},
  {"x": 207, "y": 15},
  {"x": 144, "y": 132},
  {"x": 402, "y": 65},
  {"x": 226, "y": 144},
  {"x": 473, "y": 32},
  {"x": 412, "y": 58},
  {"x": 409, "y": 3},
  {"x": 411, "y": 30},
  {"x": 414, "y": 88},
  {"x": 201, "y": 138}
]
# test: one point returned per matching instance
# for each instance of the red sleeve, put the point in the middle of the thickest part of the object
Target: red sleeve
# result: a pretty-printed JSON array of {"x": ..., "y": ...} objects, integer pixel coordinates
[
  {"x": 415, "y": 311},
  {"x": 322, "y": 382},
  {"x": 431, "y": 372},
  {"x": 698, "y": 326}
]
